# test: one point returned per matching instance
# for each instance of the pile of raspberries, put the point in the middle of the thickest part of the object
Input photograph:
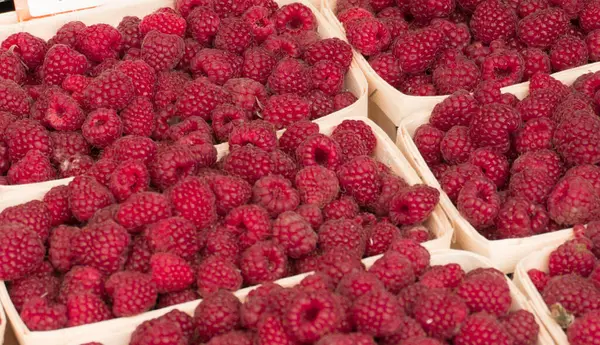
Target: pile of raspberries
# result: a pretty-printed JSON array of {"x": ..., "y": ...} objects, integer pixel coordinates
[
  {"x": 571, "y": 285},
  {"x": 519, "y": 168},
  {"x": 116, "y": 244},
  {"x": 183, "y": 77},
  {"x": 400, "y": 300},
  {"x": 437, "y": 47}
]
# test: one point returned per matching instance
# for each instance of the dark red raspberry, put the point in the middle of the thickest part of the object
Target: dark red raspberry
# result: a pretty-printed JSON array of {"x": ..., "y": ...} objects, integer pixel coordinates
[
  {"x": 173, "y": 235},
  {"x": 249, "y": 163},
  {"x": 203, "y": 24},
  {"x": 30, "y": 49},
  {"x": 23, "y": 290},
  {"x": 535, "y": 135},
  {"x": 129, "y": 178},
  {"x": 21, "y": 250},
  {"x": 39, "y": 314},
  {"x": 200, "y": 98},
  {"x": 234, "y": 35},
  {"x": 247, "y": 94},
  {"x": 130, "y": 32},
  {"x": 62, "y": 113},
  {"x": 250, "y": 222},
  {"x": 218, "y": 65},
  {"x": 482, "y": 325},
  {"x": 290, "y": 76},
  {"x": 443, "y": 276},
  {"x": 295, "y": 134},
  {"x": 381, "y": 236},
  {"x": 328, "y": 317},
  {"x": 134, "y": 147},
  {"x": 390, "y": 185},
  {"x": 327, "y": 76},
  {"x": 343, "y": 100},
  {"x": 131, "y": 293},
  {"x": 33, "y": 214},
  {"x": 351, "y": 144},
  {"x": 194, "y": 200},
  {"x": 270, "y": 330},
  {"x": 141, "y": 209},
  {"x": 225, "y": 118},
  {"x": 102, "y": 127},
  {"x": 453, "y": 180},
  {"x": 319, "y": 149},
  {"x": 479, "y": 202},
  {"x": 488, "y": 283},
  {"x": 582, "y": 331},
  {"x": 170, "y": 273},
  {"x": 430, "y": 304},
  {"x": 457, "y": 146},
  {"x": 422, "y": 10},
  {"x": 162, "y": 51},
  {"x": 578, "y": 127},
  {"x": 394, "y": 270},
  {"x": 262, "y": 262},
  {"x": 357, "y": 284},
  {"x": 276, "y": 194},
  {"x": 142, "y": 76},
  {"x": 503, "y": 118},
  {"x": 57, "y": 202},
  {"x": 360, "y": 179},
  {"x": 504, "y": 67},
  {"x": 331, "y": 49},
  {"x": 284, "y": 165},
  {"x": 12, "y": 67},
  {"x": 166, "y": 331},
  {"x": 417, "y": 254},
  {"x": 14, "y": 99},
  {"x": 171, "y": 164},
  {"x": 282, "y": 46},
  {"x": 26, "y": 135},
  {"x": 34, "y": 167},
  {"x": 493, "y": 165},
  {"x": 388, "y": 68},
  {"x": 216, "y": 273},
  {"x": 175, "y": 298},
  {"x": 230, "y": 192},
  {"x": 535, "y": 61},
  {"x": 456, "y": 110},
  {"x": 166, "y": 22},
  {"x": 519, "y": 217},
  {"x": 592, "y": 41},
  {"x": 425, "y": 43},
  {"x": 102, "y": 246},
  {"x": 67, "y": 34},
  {"x": 258, "y": 64},
  {"x": 99, "y": 42},
  {"x": 113, "y": 89},
  {"x": 588, "y": 18},
  {"x": 571, "y": 257},
  {"x": 532, "y": 184},
  {"x": 492, "y": 20},
  {"x": 412, "y": 205},
  {"x": 458, "y": 75},
  {"x": 342, "y": 234},
  {"x": 312, "y": 214},
  {"x": 337, "y": 263},
  {"x": 546, "y": 160},
  {"x": 320, "y": 104},
  {"x": 260, "y": 23},
  {"x": 573, "y": 201},
  {"x": 368, "y": 35},
  {"x": 384, "y": 322},
  {"x": 317, "y": 185},
  {"x": 543, "y": 28},
  {"x": 538, "y": 278},
  {"x": 576, "y": 294},
  {"x": 138, "y": 117},
  {"x": 59, "y": 252},
  {"x": 294, "y": 19},
  {"x": 344, "y": 207},
  {"x": 568, "y": 52},
  {"x": 86, "y": 196},
  {"x": 257, "y": 133}
]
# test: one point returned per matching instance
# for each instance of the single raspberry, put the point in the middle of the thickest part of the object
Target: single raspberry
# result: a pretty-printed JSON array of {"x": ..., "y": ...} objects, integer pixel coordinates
[
  {"x": 492, "y": 20},
  {"x": 479, "y": 202},
  {"x": 99, "y": 42},
  {"x": 543, "y": 28},
  {"x": 342, "y": 234},
  {"x": 249, "y": 163},
  {"x": 85, "y": 308},
  {"x": 217, "y": 314},
  {"x": 344, "y": 207},
  {"x": 82, "y": 279},
  {"x": 131, "y": 293},
  {"x": 275, "y": 194},
  {"x": 295, "y": 134},
  {"x": 571, "y": 257},
  {"x": 412, "y": 205},
  {"x": 203, "y": 24},
  {"x": 319, "y": 149},
  {"x": 162, "y": 51},
  {"x": 535, "y": 135},
  {"x": 453, "y": 180},
  {"x": 192, "y": 199},
  {"x": 86, "y": 196},
  {"x": 211, "y": 95},
  {"x": 142, "y": 76},
  {"x": 457, "y": 146},
  {"x": 582, "y": 331},
  {"x": 546, "y": 160},
  {"x": 258, "y": 64},
  {"x": 568, "y": 52},
  {"x": 103, "y": 246},
  {"x": 522, "y": 327},
  {"x": 589, "y": 172},
  {"x": 457, "y": 75},
  {"x": 357, "y": 284},
  {"x": 493, "y": 165},
  {"x": 343, "y": 100},
  {"x": 360, "y": 179},
  {"x": 57, "y": 202},
  {"x": 324, "y": 304},
  {"x": 218, "y": 65},
  {"x": 170, "y": 273},
  {"x": 257, "y": 133},
  {"x": 294, "y": 19},
  {"x": 317, "y": 282},
  {"x": 34, "y": 167},
  {"x": 166, "y": 22},
  {"x": 538, "y": 278},
  {"x": 592, "y": 41},
  {"x": 317, "y": 185},
  {"x": 246, "y": 94},
  {"x": 573, "y": 201},
  {"x": 230, "y": 192},
  {"x": 62, "y": 61},
  {"x": 519, "y": 217},
  {"x": 12, "y": 67},
  {"x": 171, "y": 164},
  {"x": 234, "y": 35},
  {"x": 502, "y": 118},
  {"x": 175, "y": 298},
  {"x": 394, "y": 270},
  {"x": 312, "y": 214},
  {"x": 388, "y": 68},
  {"x": 75, "y": 165},
  {"x": 173, "y": 235},
  {"x": 588, "y": 18},
  {"x": 532, "y": 184},
  {"x": 290, "y": 76},
  {"x": 320, "y": 104},
  {"x": 381, "y": 236},
  {"x": 21, "y": 251},
  {"x": 161, "y": 331},
  {"x": 282, "y": 46},
  {"x": 225, "y": 118},
  {"x": 535, "y": 61},
  {"x": 327, "y": 76},
  {"x": 482, "y": 326},
  {"x": 130, "y": 33},
  {"x": 576, "y": 294},
  {"x": 330, "y": 49},
  {"x": 216, "y": 273},
  {"x": 284, "y": 165},
  {"x": 417, "y": 254},
  {"x": 67, "y": 34},
  {"x": 422, "y": 10},
  {"x": 128, "y": 178},
  {"x": 270, "y": 330},
  {"x": 112, "y": 89},
  {"x": 23, "y": 290},
  {"x": 14, "y": 99},
  {"x": 260, "y": 23},
  {"x": 351, "y": 144},
  {"x": 336, "y": 263},
  {"x": 456, "y": 110},
  {"x": 430, "y": 304},
  {"x": 381, "y": 323},
  {"x": 443, "y": 276},
  {"x": 102, "y": 127},
  {"x": 30, "y": 49},
  {"x": 33, "y": 214},
  {"x": 104, "y": 214},
  {"x": 352, "y": 13},
  {"x": 25, "y": 135},
  {"x": 250, "y": 222},
  {"x": 368, "y": 35},
  {"x": 138, "y": 117},
  {"x": 425, "y": 43},
  {"x": 504, "y": 67},
  {"x": 39, "y": 314},
  {"x": 486, "y": 291}
]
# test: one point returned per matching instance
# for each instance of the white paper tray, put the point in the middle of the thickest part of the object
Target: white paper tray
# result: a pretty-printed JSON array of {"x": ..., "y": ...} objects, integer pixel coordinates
[
  {"x": 112, "y": 13},
  {"x": 3, "y": 323},
  {"x": 114, "y": 331},
  {"x": 397, "y": 105},
  {"x": 539, "y": 260}
]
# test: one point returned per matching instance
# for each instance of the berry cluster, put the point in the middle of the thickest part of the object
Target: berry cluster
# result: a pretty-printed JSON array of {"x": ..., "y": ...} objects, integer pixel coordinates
[
  {"x": 571, "y": 285},
  {"x": 186, "y": 76},
  {"x": 152, "y": 235},
  {"x": 431, "y": 47},
  {"x": 401, "y": 299},
  {"x": 518, "y": 168}
]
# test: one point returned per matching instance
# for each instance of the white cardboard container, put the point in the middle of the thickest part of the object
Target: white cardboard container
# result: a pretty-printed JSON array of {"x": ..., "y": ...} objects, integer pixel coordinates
[
  {"x": 3, "y": 322},
  {"x": 112, "y": 13},
  {"x": 116, "y": 331},
  {"x": 120, "y": 334},
  {"x": 538, "y": 260},
  {"x": 397, "y": 105}
]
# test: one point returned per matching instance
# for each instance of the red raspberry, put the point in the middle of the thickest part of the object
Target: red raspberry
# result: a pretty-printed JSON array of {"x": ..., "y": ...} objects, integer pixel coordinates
[
  {"x": 576, "y": 294},
  {"x": 425, "y": 43},
  {"x": 443, "y": 276},
  {"x": 570, "y": 136},
  {"x": 246, "y": 94},
  {"x": 394, "y": 270},
  {"x": 131, "y": 293},
  {"x": 440, "y": 313},
  {"x": 230, "y": 192},
  {"x": 327, "y": 76},
  {"x": 568, "y": 52},
  {"x": 346, "y": 4},
  {"x": 492, "y": 20},
  {"x": 592, "y": 41},
  {"x": 479, "y": 202},
  {"x": 482, "y": 326},
  {"x": 412, "y": 205},
  {"x": 326, "y": 308},
  {"x": 571, "y": 257},
  {"x": 417, "y": 254},
  {"x": 173, "y": 235},
  {"x": 250, "y": 222},
  {"x": 381, "y": 236},
  {"x": 14, "y": 99},
  {"x": 534, "y": 185},
  {"x": 217, "y": 314},
  {"x": 225, "y": 118},
  {"x": 200, "y": 98},
  {"x": 422, "y": 10},
  {"x": 158, "y": 331},
  {"x": 249, "y": 163},
  {"x": 104, "y": 214},
  {"x": 82, "y": 279},
  {"x": 25, "y": 135},
  {"x": 493, "y": 165},
  {"x": 203, "y": 24},
  {"x": 538, "y": 278},
  {"x": 233, "y": 338},
  {"x": 30, "y": 49},
  {"x": 344, "y": 207},
  {"x": 102, "y": 127},
  {"x": 504, "y": 67},
  {"x": 99, "y": 42},
  {"x": 519, "y": 217},
  {"x": 591, "y": 173},
  {"x": 456, "y": 146},
  {"x": 216, "y": 273},
  {"x": 342, "y": 234},
  {"x": 330, "y": 49},
  {"x": 319, "y": 149},
  {"x": 317, "y": 282},
  {"x": 284, "y": 165},
  {"x": 21, "y": 249},
  {"x": 573, "y": 201},
  {"x": 275, "y": 194},
  {"x": 171, "y": 164},
  {"x": 337, "y": 263},
  {"x": 23, "y": 290},
  {"x": 234, "y": 35},
  {"x": 582, "y": 331},
  {"x": 166, "y": 22},
  {"x": 12, "y": 67},
  {"x": 130, "y": 32},
  {"x": 169, "y": 86},
  {"x": 75, "y": 165},
  {"x": 103, "y": 246},
  {"x": 193, "y": 200},
  {"x": 113, "y": 89},
  {"x": 317, "y": 185},
  {"x": 349, "y": 14},
  {"x": 312, "y": 214},
  {"x": 67, "y": 144},
  {"x": 588, "y": 18},
  {"x": 343, "y": 100},
  {"x": 458, "y": 75},
  {"x": 218, "y": 65},
  {"x": 543, "y": 28},
  {"x": 59, "y": 252},
  {"x": 257, "y": 133},
  {"x": 33, "y": 214},
  {"x": 39, "y": 314},
  {"x": 351, "y": 144},
  {"x": 142, "y": 76},
  {"x": 384, "y": 322},
  {"x": 357, "y": 284},
  {"x": 522, "y": 327},
  {"x": 258, "y": 64},
  {"x": 388, "y": 68},
  {"x": 453, "y": 180},
  {"x": 86, "y": 196},
  {"x": 67, "y": 34},
  {"x": 535, "y": 135},
  {"x": 502, "y": 118},
  {"x": 170, "y": 273},
  {"x": 271, "y": 331},
  {"x": 368, "y": 35},
  {"x": 57, "y": 202},
  {"x": 138, "y": 117},
  {"x": 456, "y": 110},
  {"x": 320, "y": 104},
  {"x": 294, "y": 19},
  {"x": 290, "y": 76},
  {"x": 542, "y": 81},
  {"x": 295, "y": 134},
  {"x": 162, "y": 51},
  {"x": 486, "y": 291},
  {"x": 134, "y": 147},
  {"x": 128, "y": 178},
  {"x": 62, "y": 112},
  {"x": 175, "y": 298},
  {"x": 282, "y": 46},
  {"x": 260, "y": 23},
  {"x": 546, "y": 160},
  {"x": 34, "y": 167},
  {"x": 535, "y": 61}
]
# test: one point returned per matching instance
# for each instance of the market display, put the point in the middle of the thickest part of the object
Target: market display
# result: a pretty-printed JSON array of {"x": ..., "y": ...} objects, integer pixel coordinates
[
  {"x": 427, "y": 48},
  {"x": 177, "y": 77}
]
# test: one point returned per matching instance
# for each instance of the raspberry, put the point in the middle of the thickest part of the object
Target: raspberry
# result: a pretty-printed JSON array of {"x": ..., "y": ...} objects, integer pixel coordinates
[
  {"x": 225, "y": 118},
  {"x": 14, "y": 99},
  {"x": 317, "y": 185},
  {"x": 173, "y": 235},
  {"x": 162, "y": 51},
  {"x": 134, "y": 147},
  {"x": 158, "y": 331},
  {"x": 57, "y": 202},
  {"x": 574, "y": 293},
  {"x": 535, "y": 61},
  {"x": 246, "y": 93},
  {"x": 34, "y": 167},
  {"x": 412, "y": 205},
  {"x": 360, "y": 179},
  {"x": 538, "y": 278},
  {"x": 357, "y": 284},
  {"x": 319, "y": 149},
  {"x": 130, "y": 32},
  {"x": 103, "y": 246},
  {"x": 502, "y": 118},
  {"x": 200, "y": 98},
  {"x": 589, "y": 172},
  {"x": 381, "y": 236},
  {"x": 492, "y": 20},
  {"x": 166, "y": 22},
  {"x": 59, "y": 252},
  {"x": 141, "y": 208},
  {"x": 249, "y": 163},
  {"x": 216, "y": 273},
  {"x": 260, "y": 23},
  {"x": 131, "y": 293},
  {"x": 284, "y": 165},
  {"x": 12, "y": 67},
  {"x": 294, "y": 19},
  {"x": 454, "y": 76},
  {"x": 171, "y": 164},
  {"x": 170, "y": 273},
  {"x": 568, "y": 52},
  {"x": 571, "y": 257},
  {"x": 258, "y": 64},
  {"x": 104, "y": 214},
  {"x": 443, "y": 276},
  {"x": 85, "y": 308},
  {"x": 230, "y": 192},
  {"x": 343, "y": 100},
  {"x": 522, "y": 327},
  {"x": 543, "y": 28},
  {"x": 583, "y": 330},
  {"x": 388, "y": 68},
  {"x": 257, "y": 133},
  {"x": 504, "y": 67},
  {"x": 546, "y": 160},
  {"x": 218, "y": 65},
  {"x": 344, "y": 207},
  {"x": 30, "y": 49},
  {"x": 62, "y": 113},
  {"x": 233, "y": 338},
  {"x": 188, "y": 126},
  {"x": 23, "y": 290},
  {"x": 456, "y": 146},
  {"x": 175, "y": 298},
  {"x": 493, "y": 165},
  {"x": 592, "y": 41},
  {"x": 250, "y": 222},
  {"x": 456, "y": 110},
  {"x": 138, "y": 117},
  {"x": 422, "y": 10},
  {"x": 234, "y": 35},
  {"x": 33, "y": 214},
  {"x": 482, "y": 326},
  {"x": 485, "y": 291},
  {"x": 86, "y": 196},
  {"x": 519, "y": 217},
  {"x": 337, "y": 263},
  {"x": 169, "y": 86},
  {"x": 142, "y": 76},
  {"x": 346, "y": 339},
  {"x": 67, "y": 34},
  {"x": 535, "y": 135},
  {"x": 193, "y": 200},
  {"x": 588, "y": 18},
  {"x": 430, "y": 304},
  {"x": 22, "y": 251},
  {"x": 295, "y": 134},
  {"x": 418, "y": 255},
  {"x": 26, "y": 135},
  {"x": 290, "y": 76},
  {"x": 75, "y": 165},
  {"x": 39, "y": 314},
  {"x": 275, "y": 194},
  {"x": 453, "y": 180},
  {"x": 376, "y": 313},
  {"x": 394, "y": 270},
  {"x": 271, "y": 331},
  {"x": 425, "y": 43},
  {"x": 320, "y": 103},
  {"x": 217, "y": 314},
  {"x": 82, "y": 279},
  {"x": 479, "y": 202},
  {"x": 534, "y": 185},
  {"x": 312, "y": 214},
  {"x": 351, "y": 144},
  {"x": 99, "y": 42},
  {"x": 102, "y": 127},
  {"x": 347, "y": 15},
  {"x": 342, "y": 234},
  {"x": 330, "y": 49},
  {"x": 317, "y": 282},
  {"x": 368, "y": 35},
  {"x": 573, "y": 201},
  {"x": 113, "y": 89},
  {"x": 324, "y": 304}
]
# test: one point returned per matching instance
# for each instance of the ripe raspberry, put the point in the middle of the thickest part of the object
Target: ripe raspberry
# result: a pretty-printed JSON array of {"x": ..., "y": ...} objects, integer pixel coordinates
[
  {"x": 349, "y": 14},
  {"x": 479, "y": 202},
  {"x": 568, "y": 52},
  {"x": 82, "y": 279},
  {"x": 225, "y": 118},
  {"x": 39, "y": 314},
  {"x": 351, "y": 144},
  {"x": 162, "y": 51},
  {"x": 216, "y": 273},
  {"x": 57, "y": 202},
  {"x": 328, "y": 77},
  {"x": 457, "y": 146},
  {"x": 249, "y": 163},
  {"x": 574, "y": 293},
  {"x": 453, "y": 76},
  {"x": 317, "y": 185},
  {"x": 262, "y": 262},
  {"x": 295, "y": 134},
  {"x": 430, "y": 304},
  {"x": 171, "y": 164},
  {"x": 234, "y": 35},
  {"x": 388, "y": 68},
  {"x": 260, "y": 23},
  {"x": 290, "y": 76},
  {"x": 583, "y": 330},
  {"x": 493, "y": 165},
  {"x": 319, "y": 149},
  {"x": 330, "y": 49},
  {"x": 112, "y": 89},
  {"x": 250, "y": 222},
  {"x": 218, "y": 65},
  {"x": 246, "y": 94},
  {"x": 59, "y": 252},
  {"x": 12, "y": 67},
  {"x": 282, "y": 46},
  {"x": 519, "y": 217},
  {"x": 394, "y": 270},
  {"x": 589, "y": 172},
  {"x": 360, "y": 179},
  {"x": 30, "y": 49},
  {"x": 588, "y": 18},
  {"x": 502, "y": 118},
  {"x": 482, "y": 326},
  {"x": 357, "y": 284},
  {"x": 257, "y": 133},
  {"x": 328, "y": 316},
  {"x": 504, "y": 67},
  {"x": 417, "y": 254},
  {"x": 173, "y": 235},
  {"x": 86, "y": 196},
  {"x": 538, "y": 278},
  {"x": 412, "y": 205},
  {"x": 138, "y": 117},
  {"x": 104, "y": 214},
  {"x": 230, "y": 192},
  {"x": 258, "y": 64},
  {"x": 102, "y": 127},
  {"x": 170, "y": 273},
  {"x": 34, "y": 167},
  {"x": 33, "y": 214},
  {"x": 312, "y": 214},
  {"x": 294, "y": 19},
  {"x": 275, "y": 194},
  {"x": 425, "y": 43},
  {"x": 571, "y": 257},
  {"x": 543, "y": 28},
  {"x": 22, "y": 251},
  {"x": 456, "y": 110},
  {"x": 85, "y": 308},
  {"x": 131, "y": 293},
  {"x": 453, "y": 180},
  {"x": 14, "y": 99},
  {"x": 142, "y": 76},
  {"x": 368, "y": 35},
  {"x": 320, "y": 104},
  {"x": 535, "y": 135},
  {"x": 493, "y": 20},
  {"x": 535, "y": 61},
  {"x": 443, "y": 276},
  {"x": 592, "y": 41},
  {"x": 217, "y": 314},
  {"x": 344, "y": 207},
  {"x": 343, "y": 234},
  {"x": 522, "y": 327},
  {"x": 25, "y": 135},
  {"x": 485, "y": 291},
  {"x": 546, "y": 160},
  {"x": 103, "y": 246},
  {"x": 384, "y": 321},
  {"x": 381, "y": 236},
  {"x": 139, "y": 208},
  {"x": 200, "y": 98},
  {"x": 166, "y": 22},
  {"x": 343, "y": 100},
  {"x": 573, "y": 201},
  {"x": 193, "y": 200},
  {"x": 175, "y": 298},
  {"x": 67, "y": 34},
  {"x": 161, "y": 331},
  {"x": 99, "y": 42},
  {"x": 203, "y": 24},
  {"x": 534, "y": 185},
  {"x": 422, "y": 10},
  {"x": 62, "y": 112},
  {"x": 130, "y": 33},
  {"x": 270, "y": 330},
  {"x": 24, "y": 290}
]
